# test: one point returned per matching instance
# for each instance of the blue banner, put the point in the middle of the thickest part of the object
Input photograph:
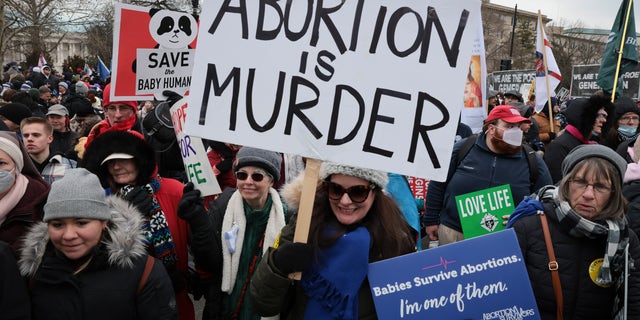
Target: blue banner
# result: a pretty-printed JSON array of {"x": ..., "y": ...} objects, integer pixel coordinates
[{"x": 480, "y": 278}]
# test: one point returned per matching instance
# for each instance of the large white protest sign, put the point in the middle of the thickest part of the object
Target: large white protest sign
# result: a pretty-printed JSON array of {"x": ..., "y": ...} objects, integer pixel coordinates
[{"x": 368, "y": 83}]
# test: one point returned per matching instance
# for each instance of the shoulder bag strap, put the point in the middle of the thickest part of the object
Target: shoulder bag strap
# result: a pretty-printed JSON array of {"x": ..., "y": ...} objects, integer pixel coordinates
[
  {"x": 553, "y": 266},
  {"x": 145, "y": 274}
]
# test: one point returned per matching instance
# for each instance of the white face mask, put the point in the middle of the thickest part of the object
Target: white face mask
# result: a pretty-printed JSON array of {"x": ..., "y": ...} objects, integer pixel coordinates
[
  {"x": 7, "y": 178},
  {"x": 512, "y": 136}
]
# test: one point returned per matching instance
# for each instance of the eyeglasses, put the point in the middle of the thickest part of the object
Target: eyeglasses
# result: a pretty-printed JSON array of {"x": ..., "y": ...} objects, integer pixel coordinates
[
  {"x": 581, "y": 185},
  {"x": 601, "y": 116},
  {"x": 630, "y": 118},
  {"x": 243, "y": 175},
  {"x": 357, "y": 194}
]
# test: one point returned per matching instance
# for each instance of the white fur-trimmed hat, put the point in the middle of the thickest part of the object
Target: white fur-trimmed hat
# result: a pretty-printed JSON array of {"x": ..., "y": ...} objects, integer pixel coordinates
[{"x": 379, "y": 178}]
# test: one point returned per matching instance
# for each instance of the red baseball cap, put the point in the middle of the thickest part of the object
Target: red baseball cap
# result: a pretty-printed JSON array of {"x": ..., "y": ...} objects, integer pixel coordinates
[{"x": 505, "y": 113}]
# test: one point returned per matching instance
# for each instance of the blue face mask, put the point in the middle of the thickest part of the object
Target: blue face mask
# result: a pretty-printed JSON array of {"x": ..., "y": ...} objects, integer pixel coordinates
[
  {"x": 595, "y": 134},
  {"x": 627, "y": 131}
]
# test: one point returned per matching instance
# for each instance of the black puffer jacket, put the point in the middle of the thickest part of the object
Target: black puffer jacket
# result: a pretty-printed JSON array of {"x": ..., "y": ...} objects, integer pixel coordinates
[
  {"x": 631, "y": 192},
  {"x": 583, "y": 299}
]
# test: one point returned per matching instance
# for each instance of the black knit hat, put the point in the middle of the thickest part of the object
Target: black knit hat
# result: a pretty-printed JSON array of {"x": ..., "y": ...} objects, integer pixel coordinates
[
  {"x": 124, "y": 142},
  {"x": 15, "y": 112},
  {"x": 624, "y": 105}
]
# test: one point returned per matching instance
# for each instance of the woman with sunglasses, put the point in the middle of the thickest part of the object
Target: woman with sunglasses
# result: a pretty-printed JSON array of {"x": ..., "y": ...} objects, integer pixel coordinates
[
  {"x": 353, "y": 224},
  {"x": 245, "y": 221}
]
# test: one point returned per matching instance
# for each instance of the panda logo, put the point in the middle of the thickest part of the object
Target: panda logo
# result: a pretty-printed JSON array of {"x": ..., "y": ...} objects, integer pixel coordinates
[{"x": 172, "y": 29}]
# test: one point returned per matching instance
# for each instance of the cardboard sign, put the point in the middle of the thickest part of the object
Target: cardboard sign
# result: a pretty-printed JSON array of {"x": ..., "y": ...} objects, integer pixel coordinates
[
  {"x": 480, "y": 278},
  {"x": 152, "y": 51},
  {"x": 373, "y": 83},
  {"x": 194, "y": 156},
  {"x": 481, "y": 211}
]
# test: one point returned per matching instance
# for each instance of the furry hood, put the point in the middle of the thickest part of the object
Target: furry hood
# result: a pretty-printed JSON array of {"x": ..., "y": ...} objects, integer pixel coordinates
[
  {"x": 125, "y": 241},
  {"x": 292, "y": 191},
  {"x": 582, "y": 113},
  {"x": 118, "y": 141}
]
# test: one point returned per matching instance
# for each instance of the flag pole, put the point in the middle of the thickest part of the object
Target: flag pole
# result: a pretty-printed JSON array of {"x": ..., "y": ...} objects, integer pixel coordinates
[
  {"x": 546, "y": 71},
  {"x": 621, "y": 51}
]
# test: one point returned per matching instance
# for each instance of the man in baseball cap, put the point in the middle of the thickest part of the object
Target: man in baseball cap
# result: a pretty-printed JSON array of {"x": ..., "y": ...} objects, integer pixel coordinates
[{"x": 495, "y": 158}]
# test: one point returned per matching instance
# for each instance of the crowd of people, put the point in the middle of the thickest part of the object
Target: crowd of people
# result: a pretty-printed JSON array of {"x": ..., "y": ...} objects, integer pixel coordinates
[{"x": 98, "y": 219}]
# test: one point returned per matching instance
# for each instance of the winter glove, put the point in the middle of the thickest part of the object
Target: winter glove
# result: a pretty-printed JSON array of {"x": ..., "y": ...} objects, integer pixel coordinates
[
  {"x": 191, "y": 206},
  {"x": 552, "y": 135},
  {"x": 172, "y": 97},
  {"x": 293, "y": 257},
  {"x": 225, "y": 165},
  {"x": 141, "y": 199}
]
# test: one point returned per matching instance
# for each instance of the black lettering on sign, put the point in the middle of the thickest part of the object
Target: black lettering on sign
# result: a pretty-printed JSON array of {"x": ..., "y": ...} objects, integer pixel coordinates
[
  {"x": 450, "y": 51},
  {"x": 337, "y": 99},
  {"x": 420, "y": 130},
  {"x": 295, "y": 108},
  {"x": 325, "y": 65},
  {"x": 212, "y": 79},
  {"x": 375, "y": 117},
  {"x": 242, "y": 10},
  {"x": 323, "y": 14},
  {"x": 276, "y": 106}
]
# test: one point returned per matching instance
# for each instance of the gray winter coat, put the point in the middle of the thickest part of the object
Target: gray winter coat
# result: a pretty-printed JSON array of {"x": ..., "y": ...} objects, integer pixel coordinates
[{"x": 107, "y": 288}]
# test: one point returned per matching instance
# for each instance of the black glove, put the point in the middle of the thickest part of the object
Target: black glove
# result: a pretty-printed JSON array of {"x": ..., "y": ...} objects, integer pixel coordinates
[
  {"x": 293, "y": 257},
  {"x": 191, "y": 206},
  {"x": 141, "y": 199},
  {"x": 552, "y": 135},
  {"x": 225, "y": 165},
  {"x": 172, "y": 97}
]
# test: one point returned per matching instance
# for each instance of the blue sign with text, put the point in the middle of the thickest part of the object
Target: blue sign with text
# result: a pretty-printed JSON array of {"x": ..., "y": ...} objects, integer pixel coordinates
[{"x": 480, "y": 278}]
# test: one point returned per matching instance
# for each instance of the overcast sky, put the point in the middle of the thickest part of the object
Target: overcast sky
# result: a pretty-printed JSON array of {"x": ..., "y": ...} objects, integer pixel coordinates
[{"x": 598, "y": 14}]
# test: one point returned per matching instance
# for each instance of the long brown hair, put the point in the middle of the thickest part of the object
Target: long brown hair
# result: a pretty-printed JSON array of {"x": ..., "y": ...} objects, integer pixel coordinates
[{"x": 391, "y": 235}]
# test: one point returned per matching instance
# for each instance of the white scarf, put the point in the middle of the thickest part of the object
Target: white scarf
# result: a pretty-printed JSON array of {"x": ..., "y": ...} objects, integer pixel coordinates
[
  {"x": 13, "y": 196},
  {"x": 235, "y": 214}
]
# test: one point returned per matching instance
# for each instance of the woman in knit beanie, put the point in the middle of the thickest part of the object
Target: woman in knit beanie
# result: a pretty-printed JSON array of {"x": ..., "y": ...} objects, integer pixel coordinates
[
  {"x": 590, "y": 235},
  {"x": 353, "y": 224},
  {"x": 126, "y": 166},
  {"x": 87, "y": 259},
  {"x": 243, "y": 222},
  {"x": 22, "y": 190},
  {"x": 625, "y": 124}
]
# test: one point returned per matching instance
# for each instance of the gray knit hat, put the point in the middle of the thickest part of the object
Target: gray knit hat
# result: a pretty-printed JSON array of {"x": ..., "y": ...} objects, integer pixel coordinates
[
  {"x": 270, "y": 161},
  {"x": 379, "y": 178},
  {"x": 584, "y": 151},
  {"x": 77, "y": 195}
]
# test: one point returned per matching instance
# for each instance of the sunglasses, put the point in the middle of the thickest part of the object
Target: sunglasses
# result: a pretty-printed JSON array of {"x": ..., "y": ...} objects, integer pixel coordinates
[
  {"x": 357, "y": 194},
  {"x": 243, "y": 175}
]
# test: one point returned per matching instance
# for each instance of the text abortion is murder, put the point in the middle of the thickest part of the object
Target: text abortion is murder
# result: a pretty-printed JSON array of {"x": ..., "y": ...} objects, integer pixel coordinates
[{"x": 324, "y": 71}]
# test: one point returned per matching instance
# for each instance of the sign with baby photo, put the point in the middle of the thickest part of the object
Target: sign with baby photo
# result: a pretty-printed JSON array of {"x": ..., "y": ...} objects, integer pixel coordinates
[{"x": 481, "y": 211}]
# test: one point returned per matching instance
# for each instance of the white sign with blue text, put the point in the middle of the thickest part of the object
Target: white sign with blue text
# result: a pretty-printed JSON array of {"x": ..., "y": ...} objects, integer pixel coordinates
[{"x": 480, "y": 278}]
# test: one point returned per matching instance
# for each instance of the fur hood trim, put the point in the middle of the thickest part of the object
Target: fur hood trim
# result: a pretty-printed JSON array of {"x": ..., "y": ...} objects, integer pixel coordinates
[
  {"x": 292, "y": 192},
  {"x": 582, "y": 113},
  {"x": 124, "y": 244}
]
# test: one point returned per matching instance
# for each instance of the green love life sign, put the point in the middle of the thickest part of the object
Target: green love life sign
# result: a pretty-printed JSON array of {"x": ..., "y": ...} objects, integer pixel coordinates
[{"x": 481, "y": 211}]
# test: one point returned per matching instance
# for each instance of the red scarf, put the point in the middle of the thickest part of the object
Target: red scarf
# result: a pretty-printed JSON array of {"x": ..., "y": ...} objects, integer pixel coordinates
[
  {"x": 576, "y": 133},
  {"x": 105, "y": 125}
]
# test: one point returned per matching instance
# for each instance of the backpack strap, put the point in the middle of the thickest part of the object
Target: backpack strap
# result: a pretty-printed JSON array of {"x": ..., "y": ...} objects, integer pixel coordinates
[
  {"x": 529, "y": 152},
  {"x": 533, "y": 167},
  {"x": 145, "y": 274}
]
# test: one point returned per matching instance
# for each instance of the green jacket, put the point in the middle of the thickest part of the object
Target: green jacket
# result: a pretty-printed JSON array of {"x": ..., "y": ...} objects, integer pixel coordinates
[{"x": 274, "y": 293}]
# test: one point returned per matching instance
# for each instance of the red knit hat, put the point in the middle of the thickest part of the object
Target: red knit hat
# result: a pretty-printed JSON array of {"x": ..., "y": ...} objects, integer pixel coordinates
[{"x": 106, "y": 99}]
